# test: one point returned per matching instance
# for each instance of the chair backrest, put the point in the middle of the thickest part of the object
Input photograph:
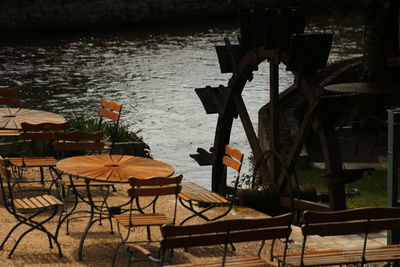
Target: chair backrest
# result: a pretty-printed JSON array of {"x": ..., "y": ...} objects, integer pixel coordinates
[
  {"x": 9, "y": 96},
  {"x": 110, "y": 110},
  {"x": 42, "y": 136},
  {"x": 82, "y": 142},
  {"x": 233, "y": 158},
  {"x": 349, "y": 222},
  {"x": 155, "y": 186},
  {"x": 226, "y": 232},
  {"x": 6, "y": 187}
]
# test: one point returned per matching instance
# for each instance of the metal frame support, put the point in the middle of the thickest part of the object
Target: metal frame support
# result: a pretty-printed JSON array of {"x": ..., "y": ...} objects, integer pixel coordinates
[{"x": 393, "y": 237}]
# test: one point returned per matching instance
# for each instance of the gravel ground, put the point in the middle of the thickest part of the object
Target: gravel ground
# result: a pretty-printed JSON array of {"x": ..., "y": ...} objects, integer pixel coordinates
[{"x": 100, "y": 244}]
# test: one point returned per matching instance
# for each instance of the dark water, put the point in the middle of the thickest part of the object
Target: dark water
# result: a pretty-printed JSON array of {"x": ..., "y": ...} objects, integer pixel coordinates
[{"x": 153, "y": 74}]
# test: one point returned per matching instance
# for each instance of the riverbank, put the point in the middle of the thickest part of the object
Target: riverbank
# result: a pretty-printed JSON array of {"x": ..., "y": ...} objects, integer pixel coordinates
[{"x": 69, "y": 15}]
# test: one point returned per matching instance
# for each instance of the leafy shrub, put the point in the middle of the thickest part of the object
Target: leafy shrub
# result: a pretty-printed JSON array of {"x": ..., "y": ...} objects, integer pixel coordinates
[{"x": 89, "y": 124}]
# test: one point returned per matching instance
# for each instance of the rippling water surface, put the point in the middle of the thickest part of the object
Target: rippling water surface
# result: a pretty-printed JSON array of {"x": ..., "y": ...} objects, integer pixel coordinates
[{"x": 153, "y": 74}]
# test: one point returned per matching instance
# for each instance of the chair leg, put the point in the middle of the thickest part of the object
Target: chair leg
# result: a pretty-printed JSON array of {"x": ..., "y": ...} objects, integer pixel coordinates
[
  {"x": 116, "y": 254},
  {"x": 148, "y": 233},
  {"x": 41, "y": 175},
  {"x": 67, "y": 215},
  {"x": 37, "y": 226},
  {"x": 128, "y": 257}
]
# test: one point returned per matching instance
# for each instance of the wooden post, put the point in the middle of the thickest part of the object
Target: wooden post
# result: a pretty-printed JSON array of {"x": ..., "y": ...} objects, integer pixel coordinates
[
  {"x": 274, "y": 114},
  {"x": 393, "y": 237}
]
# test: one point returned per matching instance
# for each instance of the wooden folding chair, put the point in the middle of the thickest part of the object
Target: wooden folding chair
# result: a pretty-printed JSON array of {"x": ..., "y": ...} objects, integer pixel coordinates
[
  {"x": 223, "y": 232},
  {"x": 135, "y": 216},
  {"x": 37, "y": 141},
  {"x": 9, "y": 97},
  {"x": 31, "y": 211},
  {"x": 73, "y": 144},
  {"x": 109, "y": 110},
  {"x": 199, "y": 200}
]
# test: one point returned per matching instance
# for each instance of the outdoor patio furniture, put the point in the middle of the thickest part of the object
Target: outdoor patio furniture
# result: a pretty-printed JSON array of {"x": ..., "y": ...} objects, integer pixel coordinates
[
  {"x": 112, "y": 111},
  {"x": 9, "y": 97},
  {"x": 75, "y": 143},
  {"x": 31, "y": 211},
  {"x": 137, "y": 216},
  {"x": 199, "y": 200},
  {"x": 353, "y": 222},
  {"x": 37, "y": 141},
  {"x": 223, "y": 232},
  {"x": 108, "y": 168}
]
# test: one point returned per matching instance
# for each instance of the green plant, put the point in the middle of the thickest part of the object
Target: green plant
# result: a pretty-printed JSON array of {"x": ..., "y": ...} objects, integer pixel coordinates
[
  {"x": 8, "y": 139},
  {"x": 371, "y": 189},
  {"x": 89, "y": 124}
]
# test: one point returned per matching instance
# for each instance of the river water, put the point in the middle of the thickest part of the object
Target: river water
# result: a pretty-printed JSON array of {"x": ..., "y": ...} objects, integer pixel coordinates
[{"x": 153, "y": 73}]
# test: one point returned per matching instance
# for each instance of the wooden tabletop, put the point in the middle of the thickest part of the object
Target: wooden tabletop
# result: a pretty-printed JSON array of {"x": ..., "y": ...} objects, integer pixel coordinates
[
  {"x": 11, "y": 118},
  {"x": 113, "y": 168},
  {"x": 364, "y": 88}
]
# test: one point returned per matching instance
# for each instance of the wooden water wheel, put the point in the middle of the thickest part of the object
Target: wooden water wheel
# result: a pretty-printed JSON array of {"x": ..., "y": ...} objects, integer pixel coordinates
[{"x": 277, "y": 36}]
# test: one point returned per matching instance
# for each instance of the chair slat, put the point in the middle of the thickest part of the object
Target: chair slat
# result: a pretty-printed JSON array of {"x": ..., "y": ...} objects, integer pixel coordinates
[
  {"x": 79, "y": 136},
  {"x": 231, "y": 163},
  {"x": 110, "y": 105},
  {"x": 78, "y": 146},
  {"x": 234, "y": 153},
  {"x": 232, "y": 224},
  {"x": 37, "y": 136},
  {"x": 233, "y": 262},
  {"x": 161, "y": 191},
  {"x": 9, "y": 101},
  {"x": 9, "y": 92},
  {"x": 108, "y": 114},
  {"x": 156, "y": 181},
  {"x": 25, "y": 126}
]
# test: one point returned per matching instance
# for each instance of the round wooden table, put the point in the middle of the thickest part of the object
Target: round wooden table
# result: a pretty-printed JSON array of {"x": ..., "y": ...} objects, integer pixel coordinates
[
  {"x": 113, "y": 168},
  {"x": 107, "y": 168},
  {"x": 11, "y": 118},
  {"x": 364, "y": 88}
]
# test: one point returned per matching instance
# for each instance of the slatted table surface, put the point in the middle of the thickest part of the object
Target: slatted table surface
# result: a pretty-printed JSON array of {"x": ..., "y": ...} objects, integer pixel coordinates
[
  {"x": 114, "y": 168},
  {"x": 11, "y": 118}
]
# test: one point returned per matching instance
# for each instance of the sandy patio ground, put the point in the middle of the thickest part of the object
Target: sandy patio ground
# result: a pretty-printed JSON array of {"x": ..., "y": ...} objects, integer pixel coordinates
[{"x": 100, "y": 244}]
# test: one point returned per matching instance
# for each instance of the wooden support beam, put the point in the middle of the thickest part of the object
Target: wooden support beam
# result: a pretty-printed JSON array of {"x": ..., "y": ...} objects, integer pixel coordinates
[{"x": 251, "y": 135}]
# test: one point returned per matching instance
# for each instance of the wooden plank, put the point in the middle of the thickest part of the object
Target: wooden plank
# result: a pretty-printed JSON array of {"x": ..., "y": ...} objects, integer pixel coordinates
[
  {"x": 156, "y": 181},
  {"x": 232, "y": 225},
  {"x": 9, "y": 101},
  {"x": 234, "y": 153},
  {"x": 108, "y": 114},
  {"x": 110, "y": 105},
  {"x": 229, "y": 162},
  {"x": 44, "y": 126},
  {"x": 232, "y": 262},
  {"x": 9, "y": 91},
  {"x": 250, "y": 133},
  {"x": 160, "y": 191}
]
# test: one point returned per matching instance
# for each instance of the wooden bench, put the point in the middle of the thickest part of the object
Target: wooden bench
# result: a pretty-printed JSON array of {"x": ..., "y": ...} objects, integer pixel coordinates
[
  {"x": 348, "y": 222},
  {"x": 224, "y": 232}
]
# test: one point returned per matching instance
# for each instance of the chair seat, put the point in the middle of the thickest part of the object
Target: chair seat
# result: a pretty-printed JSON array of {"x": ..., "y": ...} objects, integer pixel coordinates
[
  {"x": 33, "y": 161},
  {"x": 237, "y": 262},
  {"x": 38, "y": 202},
  {"x": 154, "y": 219},
  {"x": 10, "y": 133},
  {"x": 351, "y": 256},
  {"x": 194, "y": 192}
]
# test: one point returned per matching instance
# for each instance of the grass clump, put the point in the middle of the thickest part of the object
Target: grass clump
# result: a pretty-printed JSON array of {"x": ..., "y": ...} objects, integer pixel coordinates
[{"x": 371, "y": 189}]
